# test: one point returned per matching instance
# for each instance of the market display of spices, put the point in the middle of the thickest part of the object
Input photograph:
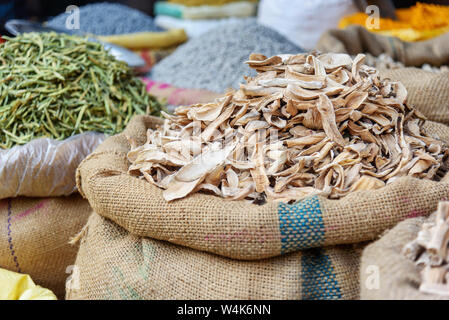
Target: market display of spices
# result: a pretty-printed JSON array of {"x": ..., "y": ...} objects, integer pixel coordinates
[
  {"x": 338, "y": 128},
  {"x": 228, "y": 162},
  {"x": 55, "y": 85}
]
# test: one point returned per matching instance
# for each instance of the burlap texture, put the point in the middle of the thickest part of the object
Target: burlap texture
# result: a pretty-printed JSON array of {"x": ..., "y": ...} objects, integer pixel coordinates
[
  {"x": 239, "y": 229},
  {"x": 399, "y": 278},
  {"x": 437, "y": 130},
  {"x": 427, "y": 91},
  {"x": 114, "y": 264},
  {"x": 356, "y": 39},
  {"x": 35, "y": 234}
]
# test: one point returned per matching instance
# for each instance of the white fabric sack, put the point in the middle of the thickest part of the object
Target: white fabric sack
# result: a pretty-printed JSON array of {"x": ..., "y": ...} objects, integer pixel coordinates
[{"x": 303, "y": 21}]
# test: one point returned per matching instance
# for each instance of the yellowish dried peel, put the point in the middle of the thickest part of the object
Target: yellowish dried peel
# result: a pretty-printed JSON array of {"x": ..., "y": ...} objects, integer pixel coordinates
[{"x": 306, "y": 124}]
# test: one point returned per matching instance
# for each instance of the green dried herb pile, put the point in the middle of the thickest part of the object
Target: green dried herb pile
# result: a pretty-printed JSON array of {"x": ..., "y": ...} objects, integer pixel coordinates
[{"x": 54, "y": 85}]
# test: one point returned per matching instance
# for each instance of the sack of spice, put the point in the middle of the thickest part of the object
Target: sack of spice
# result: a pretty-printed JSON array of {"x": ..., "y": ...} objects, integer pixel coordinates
[
  {"x": 127, "y": 258},
  {"x": 140, "y": 208},
  {"x": 60, "y": 89},
  {"x": 388, "y": 272},
  {"x": 35, "y": 235},
  {"x": 311, "y": 193},
  {"x": 419, "y": 22}
]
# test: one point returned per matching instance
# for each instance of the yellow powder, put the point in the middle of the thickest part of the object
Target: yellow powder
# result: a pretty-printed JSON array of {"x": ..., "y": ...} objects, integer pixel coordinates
[{"x": 419, "y": 22}]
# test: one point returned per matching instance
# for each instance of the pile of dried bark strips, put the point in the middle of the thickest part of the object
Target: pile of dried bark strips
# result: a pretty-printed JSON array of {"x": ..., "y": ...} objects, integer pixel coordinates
[{"x": 306, "y": 124}]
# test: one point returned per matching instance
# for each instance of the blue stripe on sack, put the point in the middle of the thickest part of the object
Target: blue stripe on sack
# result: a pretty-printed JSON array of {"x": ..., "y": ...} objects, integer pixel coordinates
[
  {"x": 318, "y": 279},
  {"x": 301, "y": 225}
]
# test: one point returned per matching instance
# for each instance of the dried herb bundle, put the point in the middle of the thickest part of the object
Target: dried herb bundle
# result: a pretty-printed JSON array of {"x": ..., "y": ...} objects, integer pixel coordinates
[
  {"x": 54, "y": 85},
  {"x": 430, "y": 251},
  {"x": 306, "y": 124}
]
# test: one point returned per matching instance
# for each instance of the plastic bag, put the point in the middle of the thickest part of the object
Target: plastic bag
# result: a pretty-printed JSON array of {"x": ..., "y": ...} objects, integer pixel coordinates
[
  {"x": 303, "y": 22},
  {"x": 44, "y": 167},
  {"x": 16, "y": 286}
]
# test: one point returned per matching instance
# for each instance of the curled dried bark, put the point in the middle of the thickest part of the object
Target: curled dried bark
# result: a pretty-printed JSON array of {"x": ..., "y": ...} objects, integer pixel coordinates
[
  {"x": 430, "y": 251},
  {"x": 305, "y": 124}
]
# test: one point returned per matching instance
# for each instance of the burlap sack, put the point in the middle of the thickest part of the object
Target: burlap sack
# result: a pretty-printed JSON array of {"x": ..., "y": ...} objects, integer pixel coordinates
[
  {"x": 44, "y": 167},
  {"x": 397, "y": 276},
  {"x": 239, "y": 229},
  {"x": 356, "y": 39},
  {"x": 427, "y": 91},
  {"x": 35, "y": 234},
  {"x": 114, "y": 264}
]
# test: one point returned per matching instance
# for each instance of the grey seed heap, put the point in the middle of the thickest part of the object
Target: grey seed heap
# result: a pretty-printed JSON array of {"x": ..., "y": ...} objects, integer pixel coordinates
[
  {"x": 108, "y": 19},
  {"x": 214, "y": 61}
]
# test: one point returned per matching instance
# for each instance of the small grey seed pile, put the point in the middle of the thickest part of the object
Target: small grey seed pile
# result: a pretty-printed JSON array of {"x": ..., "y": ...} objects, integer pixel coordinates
[
  {"x": 108, "y": 19},
  {"x": 215, "y": 60}
]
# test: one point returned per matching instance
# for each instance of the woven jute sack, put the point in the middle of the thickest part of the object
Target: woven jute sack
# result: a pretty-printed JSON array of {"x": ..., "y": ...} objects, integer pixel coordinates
[
  {"x": 386, "y": 273},
  {"x": 427, "y": 91},
  {"x": 239, "y": 229},
  {"x": 35, "y": 235},
  {"x": 115, "y": 264}
]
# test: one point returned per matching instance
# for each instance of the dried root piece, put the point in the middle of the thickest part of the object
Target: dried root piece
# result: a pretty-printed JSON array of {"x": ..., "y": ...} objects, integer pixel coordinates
[
  {"x": 412, "y": 250},
  {"x": 434, "y": 280},
  {"x": 430, "y": 251},
  {"x": 438, "y": 244},
  {"x": 305, "y": 124}
]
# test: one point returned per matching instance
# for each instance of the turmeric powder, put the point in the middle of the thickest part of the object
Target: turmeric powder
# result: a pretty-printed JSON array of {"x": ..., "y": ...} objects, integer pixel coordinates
[{"x": 419, "y": 22}]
